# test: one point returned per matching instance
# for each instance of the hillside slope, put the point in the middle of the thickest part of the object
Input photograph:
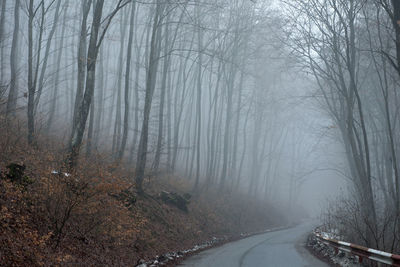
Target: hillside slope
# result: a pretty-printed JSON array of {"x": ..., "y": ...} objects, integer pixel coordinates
[{"x": 94, "y": 216}]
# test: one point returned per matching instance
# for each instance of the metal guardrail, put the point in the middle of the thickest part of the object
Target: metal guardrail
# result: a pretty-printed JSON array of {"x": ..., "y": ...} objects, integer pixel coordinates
[{"x": 361, "y": 252}]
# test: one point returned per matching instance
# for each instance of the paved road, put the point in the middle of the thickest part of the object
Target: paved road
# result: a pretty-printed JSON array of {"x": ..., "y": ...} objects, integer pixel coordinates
[{"x": 277, "y": 249}]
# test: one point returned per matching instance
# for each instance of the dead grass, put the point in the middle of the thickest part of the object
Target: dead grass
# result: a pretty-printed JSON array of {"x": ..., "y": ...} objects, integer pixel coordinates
[{"x": 92, "y": 216}]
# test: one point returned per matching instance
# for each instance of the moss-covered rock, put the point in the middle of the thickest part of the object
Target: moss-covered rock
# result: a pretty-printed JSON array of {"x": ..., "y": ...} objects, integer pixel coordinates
[
  {"x": 180, "y": 201},
  {"x": 16, "y": 174}
]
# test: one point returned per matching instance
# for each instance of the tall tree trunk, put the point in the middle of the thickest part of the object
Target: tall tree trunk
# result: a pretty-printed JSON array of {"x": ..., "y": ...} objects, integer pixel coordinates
[
  {"x": 212, "y": 127},
  {"x": 2, "y": 45},
  {"x": 237, "y": 122},
  {"x": 90, "y": 130},
  {"x": 139, "y": 57},
  {"x": 81, "y": 58},
  {"x": 136, "y": 110},
  {"x": 83, "y": 108},
  {"x": 127, "y": 83},
  {"x": 31, "y": 78},
  {"x": 179, "y": 102},
  {"x": 396, "y": 25},
  {"x": 239, "y": 175},
  {"x": 74, "y": 74},
  {"x": 57, "y": 75},
  {"x": 47, "y": 52},
  {"x": 198, "y": 105},
  {"x": 151, "y": 79},
  {"x": 169, "y": 122},
  {"x": 162, "y": 99},
  {"x": 117, "y": 124},
  {"x": 13, "y": 92},
  {"x": 229, "y": 89},
  {"x": 93, "y": 51},
  {"x": 100, "y": 100}
]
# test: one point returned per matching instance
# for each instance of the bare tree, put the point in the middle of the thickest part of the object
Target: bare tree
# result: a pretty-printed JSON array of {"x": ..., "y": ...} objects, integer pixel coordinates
[
  {"x": 13, "y": 92},
  {"x": 95, "y": 41},
  {"x": 58, "y": 64},
  {"x": 151, "y": 78},
  {"x": 2, "y": 44},
  {"x": 336, "y": 70},
  {"x": 127, "y": 82}
]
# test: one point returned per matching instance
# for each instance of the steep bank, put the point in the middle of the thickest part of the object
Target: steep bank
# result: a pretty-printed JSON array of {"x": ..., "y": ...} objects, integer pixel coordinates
[{"x": 94, "y": 216}]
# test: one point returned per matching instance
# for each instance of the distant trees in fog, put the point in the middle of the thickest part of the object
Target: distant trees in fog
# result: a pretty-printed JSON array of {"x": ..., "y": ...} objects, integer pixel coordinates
[
  {"x": 164, "y": 86},
  {"x": 351, "y": 48}
]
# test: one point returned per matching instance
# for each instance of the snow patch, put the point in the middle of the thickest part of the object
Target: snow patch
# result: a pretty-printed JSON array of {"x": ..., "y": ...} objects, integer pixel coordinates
[
  {"x": 171, "y": 256},
  {"x": 339, "y": 258},
  {"x": 66, "y": 174}
]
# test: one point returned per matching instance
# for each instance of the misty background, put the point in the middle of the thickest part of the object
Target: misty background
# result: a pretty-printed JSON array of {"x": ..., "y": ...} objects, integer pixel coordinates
[{"x": 223, "y": 96}]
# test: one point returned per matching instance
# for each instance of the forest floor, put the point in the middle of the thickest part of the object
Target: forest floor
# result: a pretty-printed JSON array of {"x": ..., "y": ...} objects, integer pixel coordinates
[{"x": 93, "y": 215}]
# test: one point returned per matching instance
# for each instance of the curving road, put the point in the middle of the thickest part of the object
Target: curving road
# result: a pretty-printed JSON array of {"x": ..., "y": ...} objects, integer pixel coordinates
[{"x": 278, "y": 249}]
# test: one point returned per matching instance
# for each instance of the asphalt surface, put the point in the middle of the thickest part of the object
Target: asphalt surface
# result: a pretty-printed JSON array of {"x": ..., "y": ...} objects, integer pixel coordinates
[{"x": 284, "y": 248}]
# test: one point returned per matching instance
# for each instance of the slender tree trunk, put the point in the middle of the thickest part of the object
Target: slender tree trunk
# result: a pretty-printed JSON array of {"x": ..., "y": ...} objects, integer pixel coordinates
[
  {"x": 198, "y": 105},
  {"x": 127, "y": 83},
  {"x": 239, "y": 175},
  {"x": 169, "y": 113},
  {"x": 151, "y": 79},
  {"x": 179, "y": 103},
  {"x": 162, "y": 99},
  {"x": 13, "y": 92},
  {"x": 2, "y": 45},
  {"x": 74, "y": 74},
  {"x": 57, "y": 75},
  {"x": 83, "y": 110},
  {"x": 212, "y": 151},
  {"x": 47, "y": 52},
  {"x": 229, "y": 89},
  {"x": 136, "y": 110},
  {"x": 117, "y": 124},
  {"x": 136, "y": 90},
  {"x": 396, "y": 25},
  {"x": 237, "y": 122},
  {"x": 86, "y": 4},
  {"x": 31, "y": 82},
  {"x": 100, "y": 100},
  {"x": 90, "y": 129}
]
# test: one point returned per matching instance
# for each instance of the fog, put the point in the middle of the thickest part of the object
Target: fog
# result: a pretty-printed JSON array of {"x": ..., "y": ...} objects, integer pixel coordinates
[
  {"x": 286, "y": 102},
  {"x": 223, "y": 72}
]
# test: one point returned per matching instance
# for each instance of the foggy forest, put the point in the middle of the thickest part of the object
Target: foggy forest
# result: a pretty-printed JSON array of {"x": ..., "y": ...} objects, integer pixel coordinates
[{"x": 132, "y": 129}]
